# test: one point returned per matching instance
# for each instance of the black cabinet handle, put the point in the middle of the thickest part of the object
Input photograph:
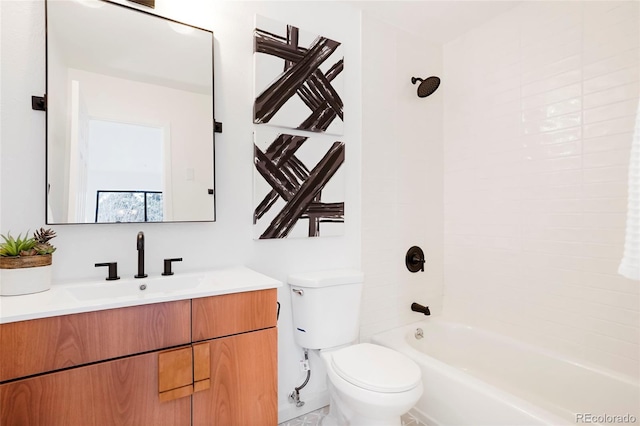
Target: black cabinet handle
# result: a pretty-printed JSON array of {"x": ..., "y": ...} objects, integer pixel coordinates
[
  {"x": 113, "y": 270},
  {"x": 167, "y": 265}
]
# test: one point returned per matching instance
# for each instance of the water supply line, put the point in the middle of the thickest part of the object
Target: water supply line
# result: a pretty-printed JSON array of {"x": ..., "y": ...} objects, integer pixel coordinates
[{"x": 295, "y": 395}]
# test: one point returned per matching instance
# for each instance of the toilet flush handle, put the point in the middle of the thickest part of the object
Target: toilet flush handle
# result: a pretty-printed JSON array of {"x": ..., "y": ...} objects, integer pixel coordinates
[{"x": 298, "y": 291}]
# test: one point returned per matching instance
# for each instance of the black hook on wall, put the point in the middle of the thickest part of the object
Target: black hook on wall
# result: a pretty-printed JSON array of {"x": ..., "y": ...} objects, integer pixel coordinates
[
  {"x": 39, "y": 103},
  {"x": 414, "y": 259}
]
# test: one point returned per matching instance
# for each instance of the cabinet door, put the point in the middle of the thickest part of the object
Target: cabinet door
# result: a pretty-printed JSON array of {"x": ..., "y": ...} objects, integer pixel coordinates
[
  {"x": 120, "y": 392},
  {"x": 244, "y": 382}
]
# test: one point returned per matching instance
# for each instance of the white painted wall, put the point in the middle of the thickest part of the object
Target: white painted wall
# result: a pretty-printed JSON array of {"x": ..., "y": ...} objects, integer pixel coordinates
[
  {"x": 402, "y": 169},
  {"x": 202, "y": 245},
  {"x": 1, "y": 109},
  {"x": 539, "y": 110}
]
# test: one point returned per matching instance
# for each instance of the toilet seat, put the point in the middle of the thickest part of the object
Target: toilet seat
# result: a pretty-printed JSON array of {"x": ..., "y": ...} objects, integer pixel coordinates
[{"x": 376, "y": 368}]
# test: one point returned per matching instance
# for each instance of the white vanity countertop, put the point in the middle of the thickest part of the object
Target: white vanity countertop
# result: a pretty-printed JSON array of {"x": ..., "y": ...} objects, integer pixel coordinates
[{"x": 63, "y": 299}]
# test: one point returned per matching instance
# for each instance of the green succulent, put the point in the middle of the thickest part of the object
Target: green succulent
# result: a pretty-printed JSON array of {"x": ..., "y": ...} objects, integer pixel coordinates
[
  {"x": 19, "y": 246},
  {"x": 27, "y": 246}
]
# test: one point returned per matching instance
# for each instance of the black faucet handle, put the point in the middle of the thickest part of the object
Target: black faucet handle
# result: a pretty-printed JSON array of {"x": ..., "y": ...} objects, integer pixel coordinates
[
  {"x": 415, "y": 259},
  {"x": 167, "y": 265},
  {"x": 113, "y": 270}
]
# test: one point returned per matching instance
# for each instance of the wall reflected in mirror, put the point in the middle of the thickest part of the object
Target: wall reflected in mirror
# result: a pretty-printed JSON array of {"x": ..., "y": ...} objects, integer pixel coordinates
[{"x": 129, "y": 116}]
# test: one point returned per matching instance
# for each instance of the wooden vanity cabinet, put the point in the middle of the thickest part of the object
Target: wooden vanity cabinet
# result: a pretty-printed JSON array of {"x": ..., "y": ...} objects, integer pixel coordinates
[{"x": 225, "y": 376}]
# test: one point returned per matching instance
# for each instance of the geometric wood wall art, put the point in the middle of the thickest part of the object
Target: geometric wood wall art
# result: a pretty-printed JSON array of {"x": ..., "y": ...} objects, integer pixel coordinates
[
  {"x": 298, "y": 185},
  {"x": 298, "y": 78}
]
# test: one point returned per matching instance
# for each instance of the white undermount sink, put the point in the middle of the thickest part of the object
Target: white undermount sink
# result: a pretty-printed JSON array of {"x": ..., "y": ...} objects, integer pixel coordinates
[{"x": 135, "y": 288}]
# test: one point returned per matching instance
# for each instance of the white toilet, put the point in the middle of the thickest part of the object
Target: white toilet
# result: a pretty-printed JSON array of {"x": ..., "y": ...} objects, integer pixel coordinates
[{"x": 369, "y": 385}]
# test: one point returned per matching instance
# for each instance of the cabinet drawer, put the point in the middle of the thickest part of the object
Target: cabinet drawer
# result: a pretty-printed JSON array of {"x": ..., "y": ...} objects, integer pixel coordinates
[
  {"x": 235, "y": 313},
  {"x": 47, "y": 344}
]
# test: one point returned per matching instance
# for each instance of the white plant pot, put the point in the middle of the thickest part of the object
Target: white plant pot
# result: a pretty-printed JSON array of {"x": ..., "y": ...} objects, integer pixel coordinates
[{"x": 14, "y": 282}]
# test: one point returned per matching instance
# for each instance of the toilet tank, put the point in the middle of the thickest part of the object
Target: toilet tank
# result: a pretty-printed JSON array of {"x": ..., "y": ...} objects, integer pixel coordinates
[{"x": 326, "y": 307}]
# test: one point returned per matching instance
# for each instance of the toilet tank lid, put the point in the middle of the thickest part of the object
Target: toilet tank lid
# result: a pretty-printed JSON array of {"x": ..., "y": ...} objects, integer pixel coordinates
[{"x": 326, "y": 278}]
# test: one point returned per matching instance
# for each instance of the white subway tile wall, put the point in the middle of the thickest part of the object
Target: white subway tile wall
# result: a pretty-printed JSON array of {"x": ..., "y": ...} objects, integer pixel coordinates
[
  {"x": 402, "y": 173},
  {"x": 539, "y": 108}
]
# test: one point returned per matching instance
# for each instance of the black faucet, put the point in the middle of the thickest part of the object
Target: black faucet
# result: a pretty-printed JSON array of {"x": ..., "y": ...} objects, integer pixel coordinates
[
  {"x": 140, "y": 246},
  {"x": 416, "y": 307}
]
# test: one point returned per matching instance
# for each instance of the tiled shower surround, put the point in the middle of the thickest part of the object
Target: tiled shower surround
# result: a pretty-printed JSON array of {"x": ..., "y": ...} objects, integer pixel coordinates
[
  {"x": 402, "y": 176},
  {"x": 539, "y": 108}
]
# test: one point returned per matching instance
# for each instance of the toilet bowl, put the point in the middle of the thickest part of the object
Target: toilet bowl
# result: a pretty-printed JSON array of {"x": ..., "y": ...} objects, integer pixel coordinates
[{"x": 370, "y": 385}]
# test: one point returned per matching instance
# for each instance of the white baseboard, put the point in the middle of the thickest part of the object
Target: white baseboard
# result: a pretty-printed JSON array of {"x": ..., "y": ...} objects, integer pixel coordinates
[{"x": 312, "y": 402}]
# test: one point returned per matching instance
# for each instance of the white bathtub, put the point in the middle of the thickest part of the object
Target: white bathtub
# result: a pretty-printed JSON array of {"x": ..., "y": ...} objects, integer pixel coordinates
[{"x": 476, "y": 377}]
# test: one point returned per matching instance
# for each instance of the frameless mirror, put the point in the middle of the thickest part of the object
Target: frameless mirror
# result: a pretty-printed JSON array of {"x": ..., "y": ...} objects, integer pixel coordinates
[{"x": 130, "y": 128}]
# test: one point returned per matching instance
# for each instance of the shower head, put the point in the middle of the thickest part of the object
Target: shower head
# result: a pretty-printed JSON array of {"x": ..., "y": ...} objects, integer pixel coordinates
[{"x": 427, "y": 86}]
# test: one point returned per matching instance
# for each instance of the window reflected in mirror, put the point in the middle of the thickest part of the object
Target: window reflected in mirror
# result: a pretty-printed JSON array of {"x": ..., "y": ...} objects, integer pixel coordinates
[{"x": 128, "y": 206}]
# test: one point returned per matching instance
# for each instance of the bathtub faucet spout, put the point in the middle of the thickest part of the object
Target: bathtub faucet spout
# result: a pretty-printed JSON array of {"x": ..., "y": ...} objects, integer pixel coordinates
[{"x": 416, "y": 307}]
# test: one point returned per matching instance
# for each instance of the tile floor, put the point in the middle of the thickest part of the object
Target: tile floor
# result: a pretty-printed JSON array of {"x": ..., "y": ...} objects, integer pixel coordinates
[{"x": 313, "y": 419}]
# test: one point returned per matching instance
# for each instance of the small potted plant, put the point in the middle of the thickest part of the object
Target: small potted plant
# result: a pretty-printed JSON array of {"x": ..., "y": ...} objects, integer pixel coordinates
[{"x": 25, "y": 263}]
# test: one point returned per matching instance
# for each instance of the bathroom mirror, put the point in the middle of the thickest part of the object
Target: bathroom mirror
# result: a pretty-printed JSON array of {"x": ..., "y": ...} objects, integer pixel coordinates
[{"x": 130, "y": 127}]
